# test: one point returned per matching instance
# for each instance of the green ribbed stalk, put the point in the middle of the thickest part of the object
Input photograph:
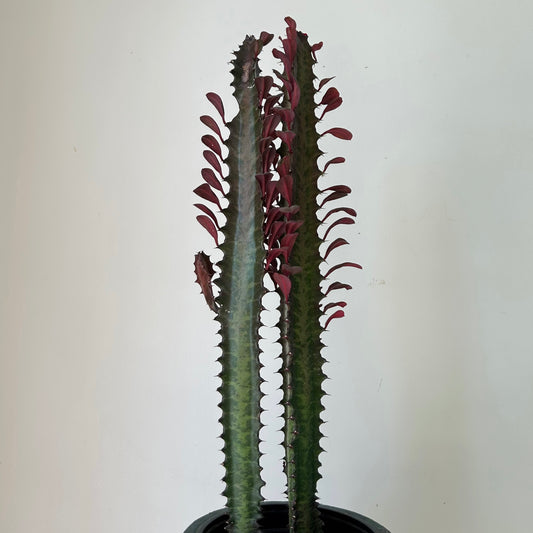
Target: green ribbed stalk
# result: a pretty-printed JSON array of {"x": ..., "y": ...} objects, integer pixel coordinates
[
  {"x": 300, "y": 315},
  {"x": 239, "y": 300}
]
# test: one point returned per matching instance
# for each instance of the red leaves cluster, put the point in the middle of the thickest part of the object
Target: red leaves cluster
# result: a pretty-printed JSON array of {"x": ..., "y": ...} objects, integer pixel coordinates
[{"x": 275, "y": 180}]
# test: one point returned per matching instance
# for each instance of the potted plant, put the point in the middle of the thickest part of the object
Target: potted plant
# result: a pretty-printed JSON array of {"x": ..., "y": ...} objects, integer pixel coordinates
[{"x": 270, "y": 230}]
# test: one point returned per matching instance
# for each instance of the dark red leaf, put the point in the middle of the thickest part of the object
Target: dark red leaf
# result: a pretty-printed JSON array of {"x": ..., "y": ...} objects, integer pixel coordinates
[
  {"x": 348, "y": 210},
  {"x": 330, "y": 107},
  {"x": 343, "y": 220},
  {"x": 217, "y": 102},
  {"x": 333, "y": 196},
  {"x": 333, "y": 304},
  {"x": 288, "y": 241},
  {"x": 211, "y": 123},
  {"x": 212, "y": 159},
  {"x": 284, "y": 284},
  {"x": 334, "y": 161},
  {"x": 335, "y": 244},
  {"x": 337, "y": 285},
  {"x": 212, "y": 143},
  {"x": 340, "y": 133},
  {"x": 209, "y": 177},
  {"x": 208, "y": 224},
  {"x": 337, "y": 314},
  {"x": 330, "y": 95},
  {"x": 315, "y": 48},
  {"x": 205, "y": 192},
  {"x": 287, "y": 137},
  {"x": 209, "y": 213},
  {"x": 266, "y": 37},
  {"x": 333, "y": 268},
  {"x": 323, "y": 82}
]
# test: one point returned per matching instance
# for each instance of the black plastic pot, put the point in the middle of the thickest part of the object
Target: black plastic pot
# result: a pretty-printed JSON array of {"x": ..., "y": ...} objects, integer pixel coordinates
[{"x": 275, "y": 521}]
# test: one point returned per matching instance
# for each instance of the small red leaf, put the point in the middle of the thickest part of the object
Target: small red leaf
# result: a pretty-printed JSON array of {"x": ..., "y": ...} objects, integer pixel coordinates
[
  {"x": 334, "y": 196},
  {"x": 333, "y": 304},
  {"x": 348, "y": 210},
  {"x": 334, "y": 161},
  {"x": 340, "y": 133},
  {"x": 211, "y": 123},
  {"x": 208, "y": 224},
  {"x": 287, "y": 137},
  {"x": 217, "y": 102},
  {"x": 323, "y": 82},
  {"x": 335, "y": 244},
  {"x": 331, "y": 106},
  {"x": 344, "y": 220},
  {"x": 266, "y": 37},
  {"x": 337, "y": 314},
  {"x": 209, "y": 177},
  {"x": 333, "y": 268},
  {"x": 209, "y": 213},
  {"x": 337, "y": 285},
  {"x": 212, "y": 159},
  {"x": 284, "y": 283},
  {"x": 330, "y": 95},
  {"x": 212, "y": 143},
  {"x": 315, "y": 48},
  {"x": 205, "y": 192}
]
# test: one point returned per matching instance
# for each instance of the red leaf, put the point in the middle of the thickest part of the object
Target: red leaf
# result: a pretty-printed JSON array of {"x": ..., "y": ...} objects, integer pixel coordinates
[
  {"x": 334, "y": 196},
  {"x": 209, "y": 213},
  {"x": 263, "y": 84},
  {"x": 348, "y": 210},
  {"x": 330, "y": 107},
  {"x": 205, "y": 192},
  {"x": 337, "y": 285},
  {"x": 217, "y": 102},
  {"x": 343, "y": 220},
  {"x": 211, "y": 123},
  {"x": 209, "y": 177},
  {"x": 334, "y": 161},
  {"x": 333, "y": 268},
  {"x": 335, "y": 244},
  {"x": 340, "y": 133},
  {"x": 212, "y": 143},
  {"x": 336, "y": 314},
  {"x": 330, "y": 95},
  {"x": 211, "y": 158},
  {"x": 208, "y": 224},
  {"x": 333, "y": 304},
  {"x": 315, "y": 48},
  {"x": 266, "y": 37},
  {"x": 287, "y": 137},
  {"x": 323, "y": 82},
  {"x": 284, "y": 283}
]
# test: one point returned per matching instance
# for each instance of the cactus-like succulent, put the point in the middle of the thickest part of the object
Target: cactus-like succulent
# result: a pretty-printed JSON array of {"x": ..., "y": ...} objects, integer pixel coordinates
[{"x": 274, "y": 214}]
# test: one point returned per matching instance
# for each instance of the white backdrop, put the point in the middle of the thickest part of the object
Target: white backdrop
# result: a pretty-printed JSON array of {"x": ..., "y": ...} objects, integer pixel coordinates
[{"x": 108, "y": 417}]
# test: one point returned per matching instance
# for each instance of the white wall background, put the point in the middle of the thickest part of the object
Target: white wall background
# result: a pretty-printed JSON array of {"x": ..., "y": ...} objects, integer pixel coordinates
[{"x": 108, "y": 417}]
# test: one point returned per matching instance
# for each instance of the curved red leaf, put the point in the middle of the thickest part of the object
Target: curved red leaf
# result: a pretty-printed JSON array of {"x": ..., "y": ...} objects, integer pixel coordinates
[
  {"x": 209, "y": 213},
  {"x": 209, "y": 177},
  {"x": 330, "y": 107},
  {"x": 334, "y": 196},
  {"x": 340, "y": 133},
  {"x": 329, "y": 96},
  {"x": 337, "y": 285},
  {"x": 208, "y": 224},
  {"x": 284, "y": 284},
  {"x": 333, "y": 268},
  {"x": 323, "y": 82},
  {"x": 212, "y": 159},
  {"x": 348, "y": 210},
  {"x": 335, "y": 244},
  {"x": 336, "y": 314},
  {"x": 266, "y": 37},
  {"x": 217, "y": 102},
  {"x": 334, "y": 161},
  {"x": 210, "y": 122},
  {"x": 344, "y": 220},
  {"x": 205, "y": 192},
  {"x": 212, "y": 143},
  {"x": 333, "y": 304}
]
